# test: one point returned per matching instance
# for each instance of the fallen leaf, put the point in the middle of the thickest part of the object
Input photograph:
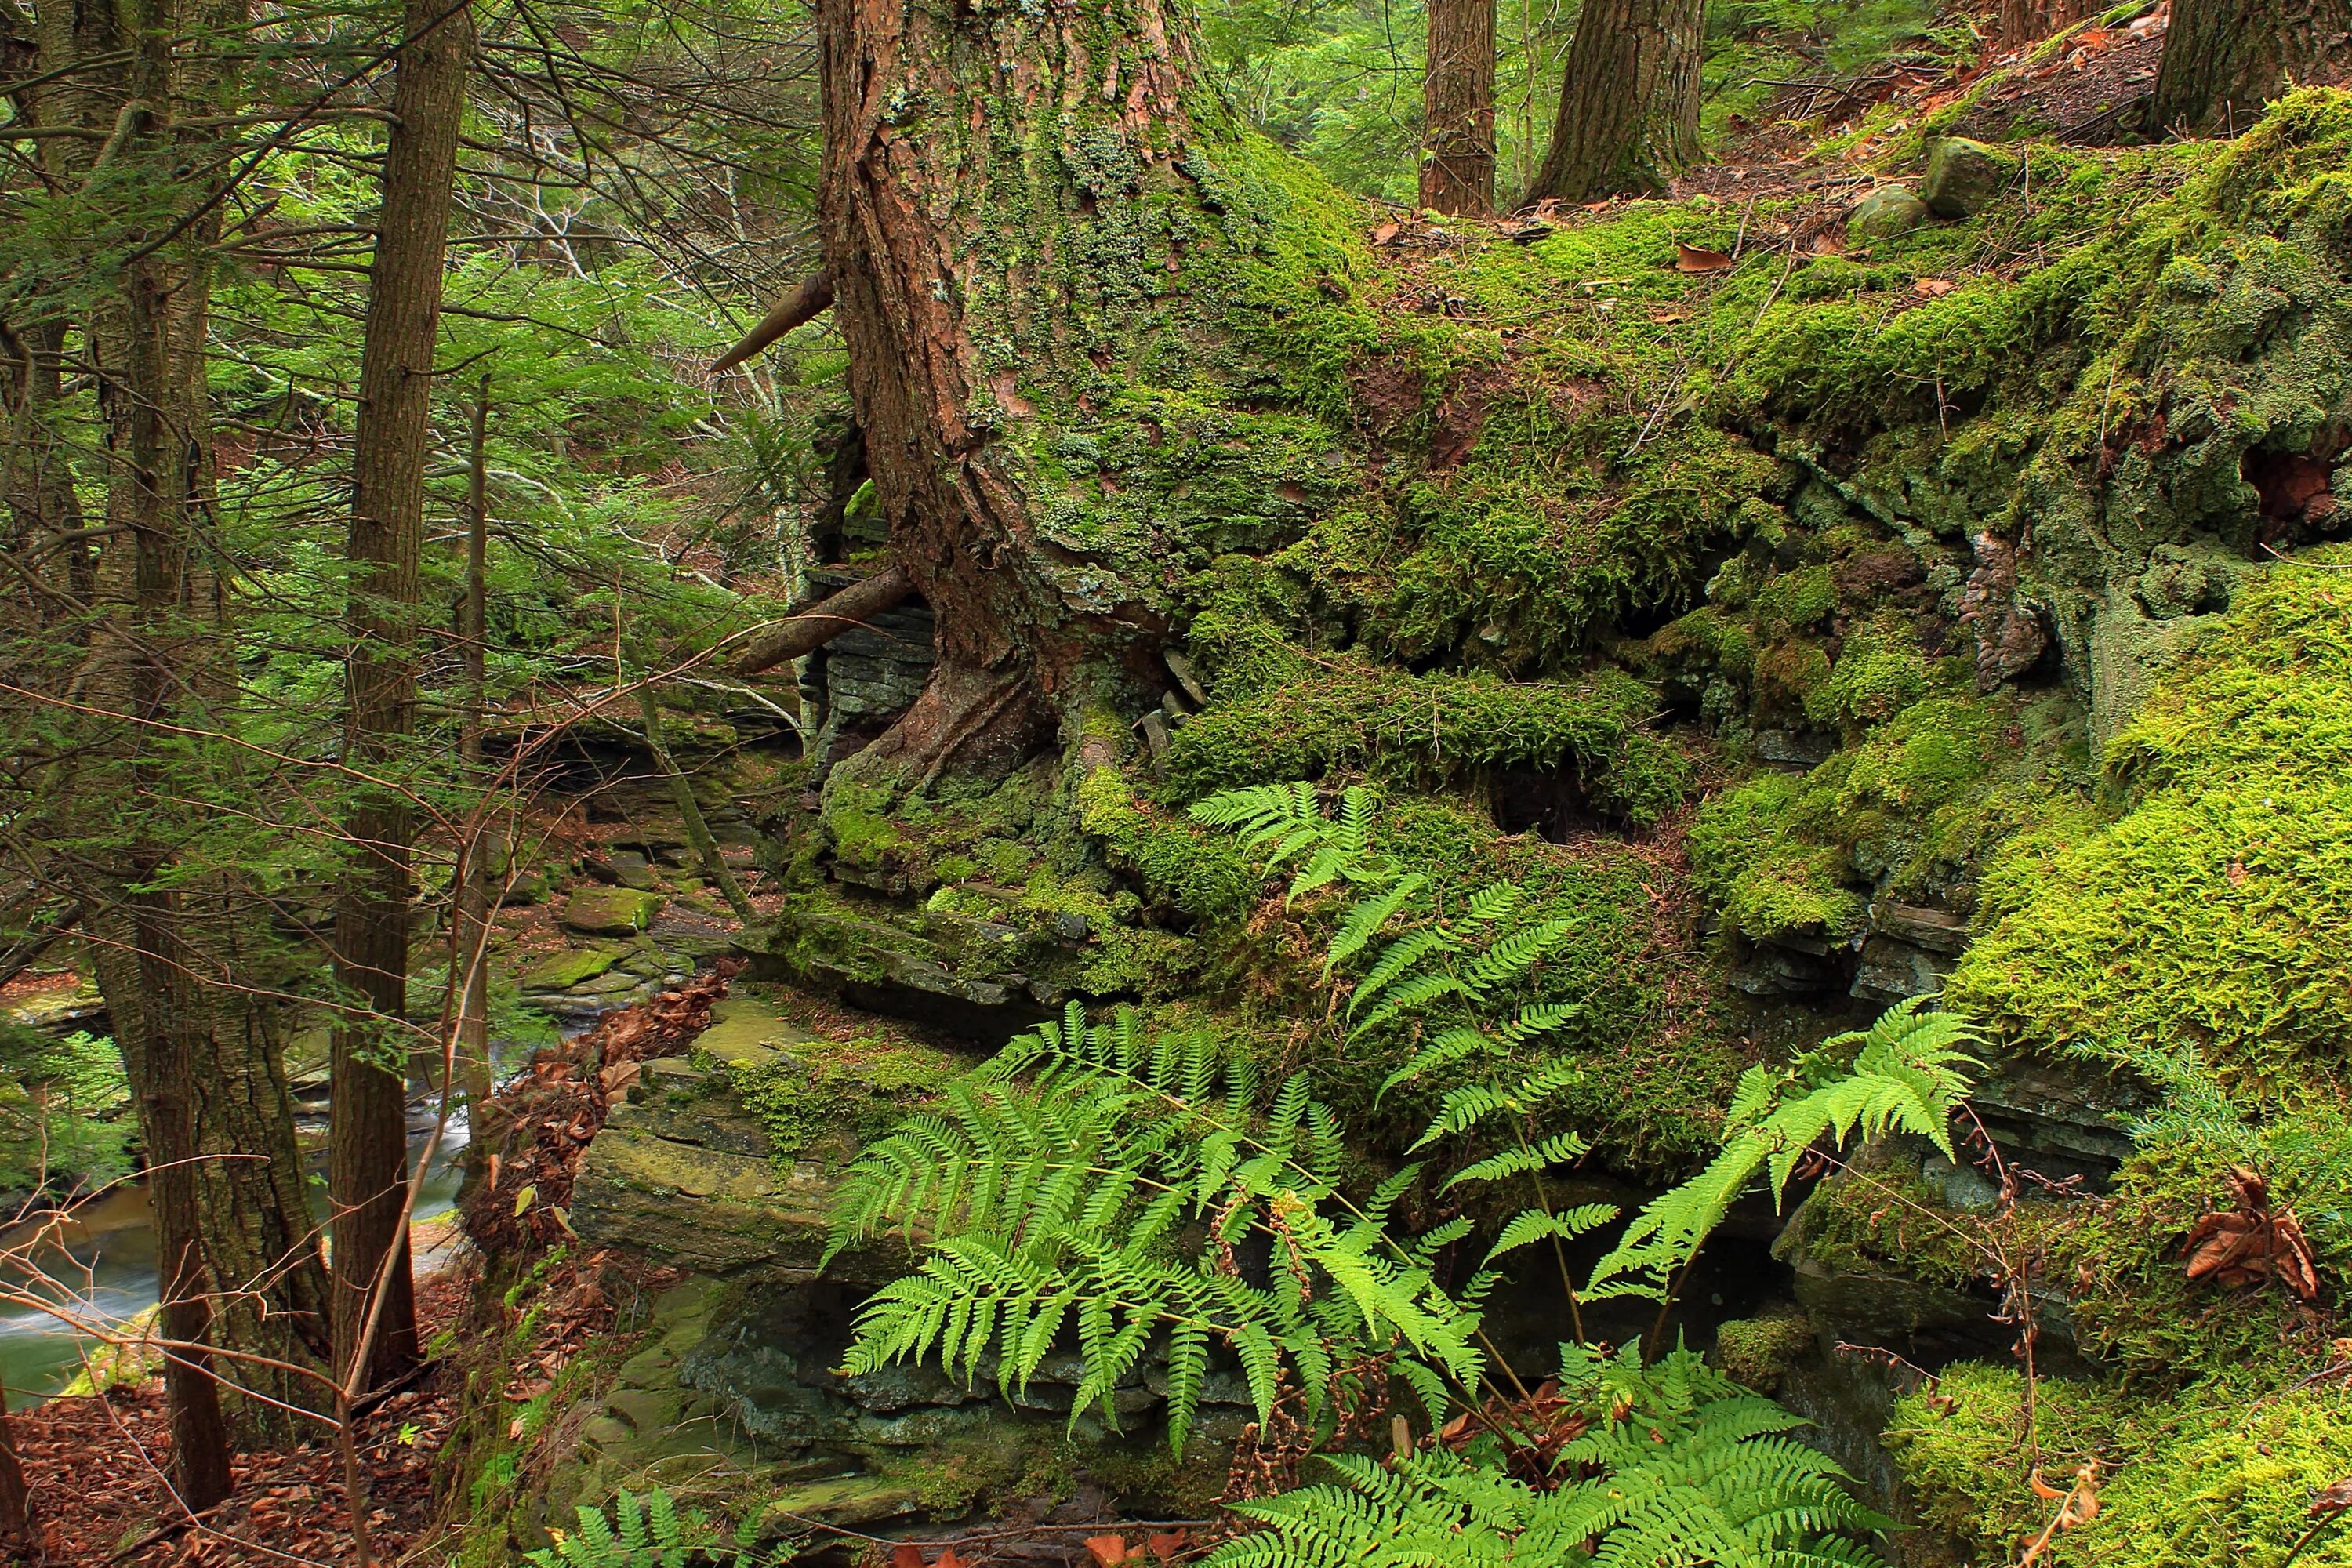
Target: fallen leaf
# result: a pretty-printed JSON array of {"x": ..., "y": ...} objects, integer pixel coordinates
[
  {"x": 2332, "y": 1500},
  {"x": 948, "y": 1558},
  {"x": 1385, "y": 233},
  {"x": 1166, "y": 1546},
  {"x": 1696, "y": 258},
  {"x": 1933, "y": 288},
  {"x": 2237, "y": 873},
  {"x": 1107, "y": 1550},
  {"x": 906, "y": 1554},
  {"x": 1668, "y": 317},
  {"x": 2249, "y": 1245},
  {"x": 1827, "y": 244},
  {"x": 523, "y": 1198}
]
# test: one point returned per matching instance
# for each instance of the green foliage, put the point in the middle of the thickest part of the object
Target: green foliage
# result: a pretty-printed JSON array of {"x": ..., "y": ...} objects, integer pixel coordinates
[
  {"x": 1906, "y": 1073},
  {"x": 1093, "y": 1178},
  {"x": 648, "y": 1534},
  {"x": 1679, "y": 1468},
  {"x": 66, "y": 1120}
]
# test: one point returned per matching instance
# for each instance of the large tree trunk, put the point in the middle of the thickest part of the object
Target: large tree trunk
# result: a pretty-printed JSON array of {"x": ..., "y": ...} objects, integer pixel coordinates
[
  {"x": 1042, "y": 230},
  {"x": 367, "y": 1163},
  {"x": 2225, "y": 59},
  {"x": 1629, "y": 101},
  {"x": 1457, "y": 145}
]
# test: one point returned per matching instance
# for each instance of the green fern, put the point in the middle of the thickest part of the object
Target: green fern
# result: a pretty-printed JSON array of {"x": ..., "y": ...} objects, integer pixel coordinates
[
  {"x": 1904, "y": 1073},
  {"x": 651, "y": 1534},
  {"x": 1093, "y": 1183},
  {"x": 1288, "y": 822},
  {"x": 1679, "y": 1468}
]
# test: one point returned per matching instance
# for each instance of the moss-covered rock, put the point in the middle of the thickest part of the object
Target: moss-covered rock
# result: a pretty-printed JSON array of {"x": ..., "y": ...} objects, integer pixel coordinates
[{"x": 610, "y": 912}]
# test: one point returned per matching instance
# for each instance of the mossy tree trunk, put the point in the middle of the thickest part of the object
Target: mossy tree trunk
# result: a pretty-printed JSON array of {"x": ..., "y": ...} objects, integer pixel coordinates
[
  {"x": 2225, "y": 59},
  {"x": 1629, "y": 101},
  {"x": 1038, "y": 222},
  {"x": 1457, "y": 144}
]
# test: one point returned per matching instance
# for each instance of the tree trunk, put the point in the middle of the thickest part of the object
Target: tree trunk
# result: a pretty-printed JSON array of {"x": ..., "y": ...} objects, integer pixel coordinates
[
  {"x": 1629, "y": 101},
  {"x": 2225, "y": 59},
  {"x": 2029, "y": 21},
  {"x": 1457, "y": 95},
  {"x": 367, "y": 1163},
  {"x": 18, "y": 1544},
  {"x": 1041, "y": 225},
  {"x": 471, "y": 955}
]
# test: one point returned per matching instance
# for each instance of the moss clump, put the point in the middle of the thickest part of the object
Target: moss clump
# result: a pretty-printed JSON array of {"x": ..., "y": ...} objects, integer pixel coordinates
[
  {"x": 2203, "y": 912},
  {"x": 1758, "y": 1351},
  {"x": 1912, "y": 812},
  {"x": 1748, "y": 859},
  {"x": 1881, "y": 1215},
  {"x": 1202, "y": 873},
  {"x": 830, "y": 1099},
  {"x": 1346, "y": 715},
  {"x": 2222, "y": 1476}
]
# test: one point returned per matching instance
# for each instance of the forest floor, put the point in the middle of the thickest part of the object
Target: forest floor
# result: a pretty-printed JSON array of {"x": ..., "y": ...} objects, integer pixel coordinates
[{"x": 98, "y": 1469}]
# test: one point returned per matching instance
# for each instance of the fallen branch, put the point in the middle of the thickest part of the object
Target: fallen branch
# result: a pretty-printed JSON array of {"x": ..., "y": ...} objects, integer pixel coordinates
[
  {"x": 826, "y": 620},
  {"x": 803, "y": 304}
]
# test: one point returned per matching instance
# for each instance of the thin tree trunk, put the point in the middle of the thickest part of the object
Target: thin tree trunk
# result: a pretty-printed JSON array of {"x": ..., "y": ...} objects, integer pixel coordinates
[
  {"x": 368, "y": 1142},
  {"x": 474, "y": 893},
  {"x": 1457, "y": 145},
  {"x": 1629, "y": 101},
  {"x": 689, "y": 811},
  {"x": 2225, "y": 59},
  {"x": 18, "y": 1544},
  {"x": 821, "y": 623}
]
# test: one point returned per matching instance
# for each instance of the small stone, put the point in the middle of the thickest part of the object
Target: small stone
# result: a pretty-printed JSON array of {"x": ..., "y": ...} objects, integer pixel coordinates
[
  {"x": 1155, "y": 735},
  {"x": 1887, "y": 211},
  {"x": 1963, "y": 177},
  {"x": 610, "y": 912}
]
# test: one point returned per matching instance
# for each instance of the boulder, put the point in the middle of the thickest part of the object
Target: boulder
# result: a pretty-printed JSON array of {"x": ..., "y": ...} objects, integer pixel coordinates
[
  {"x": 1887, "y": 211},
  {"x": 563, "y": 971},
  {"x": 610, "y": 912},
  {"x": 1963, "y": 177}
]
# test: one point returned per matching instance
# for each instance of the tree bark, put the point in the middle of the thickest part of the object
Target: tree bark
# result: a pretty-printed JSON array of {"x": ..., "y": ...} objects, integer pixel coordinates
[
  {"x": 1457, "y": 147},
  {"x": 1629, "y": 101},
  {"x": 472, "y": 953},
  {"x": 2029, "y": 21},
  {"x": 367, "y": 1162},
  {"x": 2225, "y": 59},
  {"x": 1034, "y": 221},
  {"x": 18, "y": 1544}
]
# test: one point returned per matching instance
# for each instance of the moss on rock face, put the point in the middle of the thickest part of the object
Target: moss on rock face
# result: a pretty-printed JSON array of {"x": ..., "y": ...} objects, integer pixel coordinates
[
  {"x": 2221, "y": 1475},
  {"x": 1346, "y": 715},
  {"x": 2205, "y": 911}
]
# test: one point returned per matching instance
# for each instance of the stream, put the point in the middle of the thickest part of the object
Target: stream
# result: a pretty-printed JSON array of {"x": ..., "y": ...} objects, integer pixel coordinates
[{"x": 106, "y": 1250}]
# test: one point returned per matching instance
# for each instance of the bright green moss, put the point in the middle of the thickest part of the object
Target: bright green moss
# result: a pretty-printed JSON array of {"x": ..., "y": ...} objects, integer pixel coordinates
[
  {"x": 828, "y": 1099},
  {"x": 2220, "y": 1476},
  {"x": 1758, "y": 1351},
  {"x": 2207, "y": 912},
  {"x": 1876, "y": 676},
  {"x": 1796, "y": 601},
  {"x": 1747, "y": 861},
  {"x": 1199, "y": 872},
  {"x": 1350, "y": 716}
]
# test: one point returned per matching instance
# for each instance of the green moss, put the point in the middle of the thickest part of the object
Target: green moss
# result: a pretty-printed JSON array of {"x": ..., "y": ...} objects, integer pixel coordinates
[
  {"x": 1758, "y": 1351},
  {"x": 1876, "y": 676},
  {"x": 1880, "y": 1216},
  {"x": 1349, "y": 716},
  {"x": 1198, "y": 872},
  {"x": 828, "y": 1099},
  {"x": 1747, "y": 861},
  {"x": 2200, "y": 913},
  {"x": 2220, "y": 1476}
]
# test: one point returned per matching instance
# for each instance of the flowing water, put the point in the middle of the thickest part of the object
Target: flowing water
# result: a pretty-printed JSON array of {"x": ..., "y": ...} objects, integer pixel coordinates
[{"x": 103, "y": 1254}]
